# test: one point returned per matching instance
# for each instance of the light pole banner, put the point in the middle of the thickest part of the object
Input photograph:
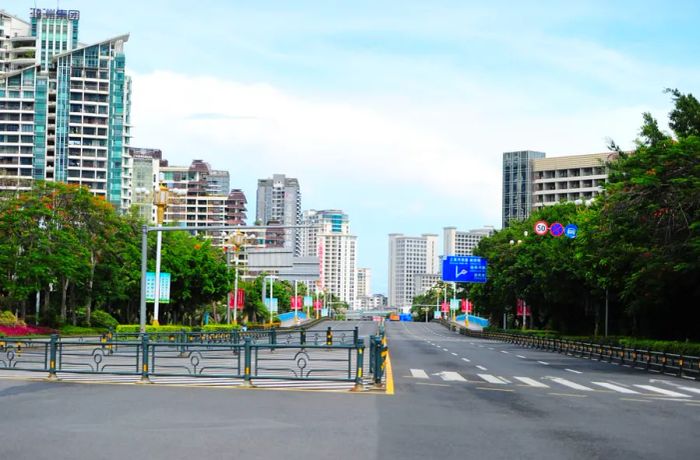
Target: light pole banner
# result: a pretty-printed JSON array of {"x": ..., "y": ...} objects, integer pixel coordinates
[
  {"x": 308, "y": 301},
  {"x": 164, "y": 287},
  {"x": 454, "y": 304}
]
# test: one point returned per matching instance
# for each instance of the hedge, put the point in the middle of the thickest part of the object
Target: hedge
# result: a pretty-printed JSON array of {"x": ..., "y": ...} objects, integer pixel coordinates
[
  {"x": 220, "y": 327},
  {"x": 135, "y": 329}
]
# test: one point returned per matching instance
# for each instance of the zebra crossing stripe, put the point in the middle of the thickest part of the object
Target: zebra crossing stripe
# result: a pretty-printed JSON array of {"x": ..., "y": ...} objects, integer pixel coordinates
[
  {"x": 451, "y": 377},
  {"x": 491, "y": 379},
  {"x": 531, "y": 382},
  {"x": 617, "y": 388},
  {"x": 570, "y": 384},
  {"x": 419, "y": 374},
  {"x": 662, "y": 391}
]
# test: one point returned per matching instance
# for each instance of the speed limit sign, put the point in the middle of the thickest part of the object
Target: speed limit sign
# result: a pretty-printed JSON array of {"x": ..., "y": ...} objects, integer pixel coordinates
[{"x": 541, "y": 227}]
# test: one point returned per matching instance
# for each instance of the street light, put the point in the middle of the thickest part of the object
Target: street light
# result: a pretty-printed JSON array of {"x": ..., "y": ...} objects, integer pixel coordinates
[
  {"x": 271, "y": 278},
  {"x": 524, "y": 305},
  {"x": 237, "y": 241},
  {"x": 160, "y": 199}
]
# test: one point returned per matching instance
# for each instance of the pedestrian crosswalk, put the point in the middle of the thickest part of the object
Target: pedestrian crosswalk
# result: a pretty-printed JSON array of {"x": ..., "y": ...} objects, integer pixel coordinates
[{"x": 660, "y": 388}]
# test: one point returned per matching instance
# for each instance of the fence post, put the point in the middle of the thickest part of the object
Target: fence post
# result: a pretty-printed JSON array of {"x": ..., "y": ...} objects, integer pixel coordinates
[
  {"x": 372, "y": 354},
  {"x": 182, "y": 337},
  {"x": 302, "y": 336},
  {"x": 144, "y": 359},
  {"x": 359, "y": 386},
  {"x": 247, "y": 348},
  {"x": 355, "y": 335},
  {"x": 380, "y": 362},
  {"x": 329, "y": 336},
  {"x": 53, "y": 344}
]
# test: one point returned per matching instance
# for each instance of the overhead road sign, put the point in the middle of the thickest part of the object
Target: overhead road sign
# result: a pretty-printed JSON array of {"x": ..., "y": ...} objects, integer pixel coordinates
[{"x": 464, "y": 269}]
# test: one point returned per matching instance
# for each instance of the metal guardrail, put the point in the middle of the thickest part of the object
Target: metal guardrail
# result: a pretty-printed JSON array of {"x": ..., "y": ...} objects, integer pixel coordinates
[
  {"x": 331, "y": 355},
  {"x": 655, "y": 361}
]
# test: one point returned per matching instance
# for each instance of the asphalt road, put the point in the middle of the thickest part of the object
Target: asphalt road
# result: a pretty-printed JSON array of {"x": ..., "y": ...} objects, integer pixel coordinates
[{"x": 443, "y": 407}]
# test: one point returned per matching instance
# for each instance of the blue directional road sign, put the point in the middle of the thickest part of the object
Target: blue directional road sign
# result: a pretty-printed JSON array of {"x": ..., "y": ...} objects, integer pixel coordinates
[{"x": 464, "y": 269}]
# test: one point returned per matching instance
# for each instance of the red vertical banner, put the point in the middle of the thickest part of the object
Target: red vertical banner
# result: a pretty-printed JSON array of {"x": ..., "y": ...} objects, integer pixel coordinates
[
  {"x": 470, "y": 307},
  {"x": 295, "y": 303},
  {"x": 317, "y": 305},
  {"x": 445, "y": 307},
  {"x": 522, "y": 308},
  {"x": 463, "y": 305},
  {"x": 241, "y": 299}
]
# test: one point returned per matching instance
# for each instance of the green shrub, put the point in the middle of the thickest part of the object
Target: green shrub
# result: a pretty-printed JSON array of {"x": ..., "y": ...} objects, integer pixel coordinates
[
  {"x": 7, "y": 318},
  {"x": 135, "y": 329},
  {"x": 68, "y": 330},
  {"x": 98, "y": 318},
  {"x": 220, "y": 327}
]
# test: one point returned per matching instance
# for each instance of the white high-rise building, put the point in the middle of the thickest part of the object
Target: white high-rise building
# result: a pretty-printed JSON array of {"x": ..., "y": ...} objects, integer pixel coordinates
[
  {"x": 409, "y": 256},
  {"x": 279, "y": 202},
  {"x": 364, "y": 282},
  {"x": 328, "y": 237},
  {"x": 456, "y": 243}
]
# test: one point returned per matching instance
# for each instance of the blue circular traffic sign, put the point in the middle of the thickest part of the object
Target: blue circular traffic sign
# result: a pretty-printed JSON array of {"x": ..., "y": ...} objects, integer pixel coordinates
[
  {"x": 556, "y": 229},
  {"x": 571, "y": 230}
]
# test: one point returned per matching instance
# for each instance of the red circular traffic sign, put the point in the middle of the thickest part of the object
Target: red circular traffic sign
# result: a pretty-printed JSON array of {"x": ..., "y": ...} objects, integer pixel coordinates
[
  {"x": 556, "y": 229},
  {"x": 541, "y": 227}
]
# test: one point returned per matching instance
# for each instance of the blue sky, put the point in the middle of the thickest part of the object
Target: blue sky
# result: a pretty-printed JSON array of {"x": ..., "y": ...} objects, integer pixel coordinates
[{"x": 396, "y": 112}]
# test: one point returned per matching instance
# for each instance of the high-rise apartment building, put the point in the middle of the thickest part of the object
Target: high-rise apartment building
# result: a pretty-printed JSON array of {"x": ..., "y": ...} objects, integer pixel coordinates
[
  {"x": 409, "y": 256},
  {"x": 457, "y": 243},
  {"x": 279, "y": 202},
  {"x": 364, "y": 282},
  {"x": 145, "y": 180},
  {"x": 531, "y": 181},
  {"x": 191, "y": 201},
  {"x": 517, "y": 184},
  {"x": 64, "y": 106},
  {"x": 327, "y": 235}
]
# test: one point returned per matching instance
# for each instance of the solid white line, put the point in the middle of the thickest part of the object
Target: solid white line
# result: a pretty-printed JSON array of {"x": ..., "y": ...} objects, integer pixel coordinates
[
  {"x": 520, "y": 356},
  {"x": 570, "y": 384},
  {"x": 692, "y": 390},
  {"x": 491, "y": 379},
  {"x": 446, "y": 349},
  {"x": 575, "y": 372},
  {"x": 531, "y": 382},
  {"x": 542, "y": 362},
  {"x": 482, "y": 368},
  {"x": 506, "y": 352},
  {"x": 419, "y": 374},
  {"x": 466, "y": 360},
  {"x": 451, "y": 377},
  {"x": 662, "y": 391},
  {"x": 617, "y": 388},
  {"x": 453, "y": 354}
]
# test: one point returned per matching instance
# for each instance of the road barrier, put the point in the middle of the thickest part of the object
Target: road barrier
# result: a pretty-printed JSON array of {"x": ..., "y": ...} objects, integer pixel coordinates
[
  {"x": 654, "y": 361},
  {"x": 250, "y": 356},
  {"x": 378, "y": 356}
]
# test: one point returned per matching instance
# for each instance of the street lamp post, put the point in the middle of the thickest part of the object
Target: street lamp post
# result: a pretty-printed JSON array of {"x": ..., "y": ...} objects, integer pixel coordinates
[
  {"x": 524, "y": 305},
  {"x": 161, "y": 202}
]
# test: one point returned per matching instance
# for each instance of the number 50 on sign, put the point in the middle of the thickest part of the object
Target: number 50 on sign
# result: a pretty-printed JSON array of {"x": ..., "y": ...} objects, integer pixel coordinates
[{"x": 541, "y": 227}]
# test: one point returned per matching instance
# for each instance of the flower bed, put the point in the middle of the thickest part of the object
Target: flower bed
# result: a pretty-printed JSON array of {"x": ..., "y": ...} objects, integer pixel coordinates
[{"x": 19, "y": 331}]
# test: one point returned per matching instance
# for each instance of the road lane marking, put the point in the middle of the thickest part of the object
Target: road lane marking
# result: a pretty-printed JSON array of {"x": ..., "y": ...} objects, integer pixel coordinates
[
  {"x": 570, "y": 384},
  {"x": 506, "y": 352},
  {"x": 542, "y": 362},
  {"x": 491, "y": 348},
  {"x": 433, "y": 384},
  {"x": 531, "y": 382},
  {"x": 446, "y": 349},
  {"x": 419, "y": 374},
  {"x": 575, "y": 372},
  {"x": 454, "y": 354},
  {"x": 662, "y": 391},
  {"x": 635, "y": 400},
  {"x": 617, "y": 388},
  {"x": 451, "y": 376},
  {"x": 491, "y": 379},
  {"x": 494, "y": 389},
  {"x": 466, "y": 360},
  {"x": 521, "y": 356},
  {"x": 482, "y": 368},
  {"x": 569, "y": 395},
  {"x": 692, "y": 390}
]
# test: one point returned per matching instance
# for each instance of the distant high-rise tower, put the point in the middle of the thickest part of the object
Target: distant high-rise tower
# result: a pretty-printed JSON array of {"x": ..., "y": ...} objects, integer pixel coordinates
[
  {"x": 327, "y": 236},
  {"x": 64, "y": 107},
  {"x": 279, "y": 202},
  {"x": 456, "y": 243},
  {"x": 409, "y": 257},
  {"x": 517, "y": 184}
]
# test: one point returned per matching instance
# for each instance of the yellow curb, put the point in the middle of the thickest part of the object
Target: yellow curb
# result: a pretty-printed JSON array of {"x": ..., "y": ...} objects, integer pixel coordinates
[{"x": 389, "y": 376}]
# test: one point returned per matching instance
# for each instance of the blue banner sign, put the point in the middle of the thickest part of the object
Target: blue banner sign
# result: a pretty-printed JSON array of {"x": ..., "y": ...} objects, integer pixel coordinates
[
  {"x": 464, "y": 269},
  {"x": 163, "y": 293}
]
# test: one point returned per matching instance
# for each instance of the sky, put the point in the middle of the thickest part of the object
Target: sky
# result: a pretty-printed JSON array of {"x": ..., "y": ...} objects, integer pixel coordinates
[{"x": 396, "y": 112}]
